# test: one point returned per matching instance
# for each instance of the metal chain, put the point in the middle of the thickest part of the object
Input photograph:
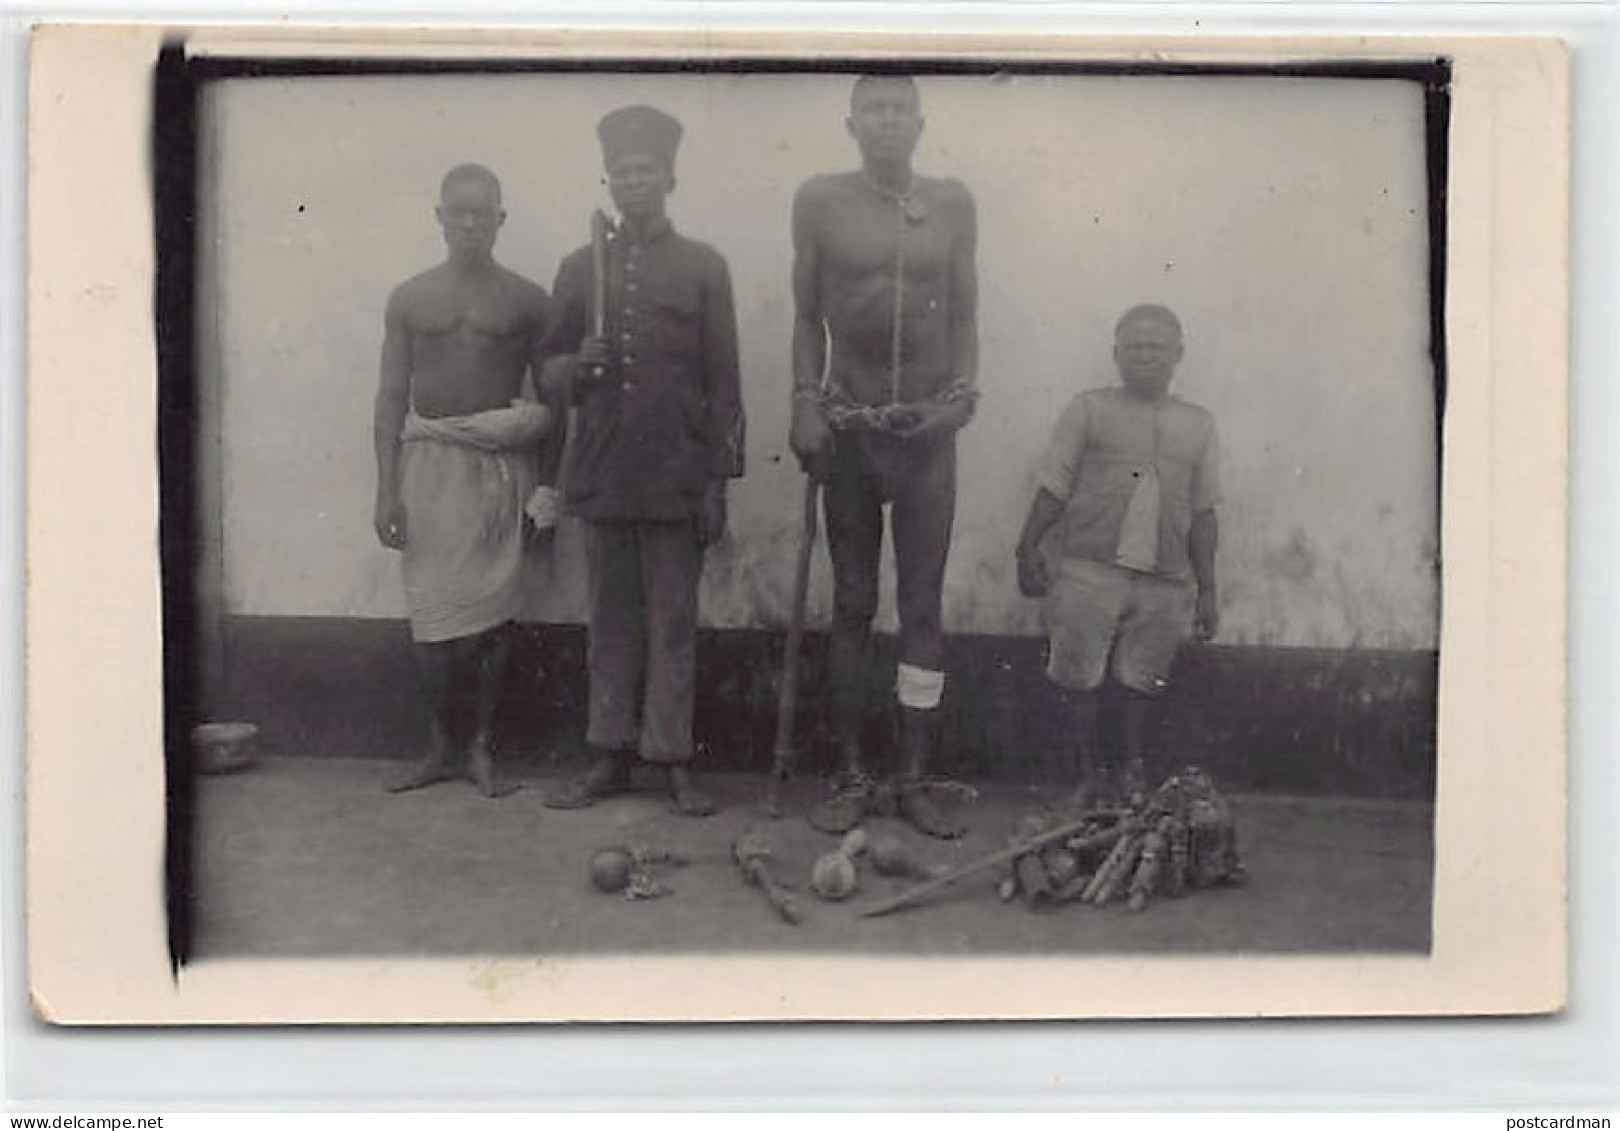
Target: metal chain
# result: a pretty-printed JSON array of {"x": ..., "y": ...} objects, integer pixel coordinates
[{"x": 899, "y": 297}]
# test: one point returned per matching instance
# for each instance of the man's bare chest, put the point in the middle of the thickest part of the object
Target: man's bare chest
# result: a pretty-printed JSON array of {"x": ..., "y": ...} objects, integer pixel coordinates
[
  {"x": 866, "y": 241},
  {"x": 471, "y": 316}
]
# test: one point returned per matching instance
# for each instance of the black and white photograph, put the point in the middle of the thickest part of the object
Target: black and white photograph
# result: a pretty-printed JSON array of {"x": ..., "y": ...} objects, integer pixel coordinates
[
  {"x": 1103, "y": 407},
  {"x": 897, "y": 509}
]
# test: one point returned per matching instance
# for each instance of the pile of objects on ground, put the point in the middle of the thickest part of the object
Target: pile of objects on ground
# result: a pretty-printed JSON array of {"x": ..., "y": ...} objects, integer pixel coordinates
[{"x": 1178, "y": 838}]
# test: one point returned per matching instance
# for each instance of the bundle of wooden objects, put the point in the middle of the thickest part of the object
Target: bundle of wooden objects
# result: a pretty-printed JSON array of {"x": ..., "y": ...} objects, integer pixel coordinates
[{"x": 1181, "y": 837}]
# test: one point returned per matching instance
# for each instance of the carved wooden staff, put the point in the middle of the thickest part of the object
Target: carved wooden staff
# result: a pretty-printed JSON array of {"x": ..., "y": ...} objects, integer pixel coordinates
[{"x": 753, "y": 856}]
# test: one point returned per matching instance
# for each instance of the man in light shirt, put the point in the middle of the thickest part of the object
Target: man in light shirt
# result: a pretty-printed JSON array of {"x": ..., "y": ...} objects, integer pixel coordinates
[{"x": 1131, "y": 472}]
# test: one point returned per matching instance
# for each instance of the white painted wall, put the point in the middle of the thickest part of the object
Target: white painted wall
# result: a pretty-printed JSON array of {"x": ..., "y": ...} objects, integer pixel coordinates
[{"x": 1285, "y": 219}]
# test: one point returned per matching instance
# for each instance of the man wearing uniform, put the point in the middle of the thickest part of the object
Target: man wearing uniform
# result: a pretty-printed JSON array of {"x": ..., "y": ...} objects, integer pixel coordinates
[
  {"x": 660, "y": 431},
  {"x": 1132, "y": 473},
  {"x": 885, "y": 359},
  {"x": 456, "y": 464}
]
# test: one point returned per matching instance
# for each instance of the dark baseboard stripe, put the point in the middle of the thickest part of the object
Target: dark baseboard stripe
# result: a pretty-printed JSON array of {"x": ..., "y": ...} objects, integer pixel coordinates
[{"x": 1304, "y": 720}]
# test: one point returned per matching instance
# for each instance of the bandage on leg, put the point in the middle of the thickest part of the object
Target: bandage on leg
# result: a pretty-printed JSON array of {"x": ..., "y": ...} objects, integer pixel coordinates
[{"x": 918, "y": 688}]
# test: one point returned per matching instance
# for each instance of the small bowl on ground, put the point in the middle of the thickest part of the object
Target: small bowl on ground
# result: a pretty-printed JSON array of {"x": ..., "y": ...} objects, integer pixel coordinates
[{"x": 223, "y": 748}]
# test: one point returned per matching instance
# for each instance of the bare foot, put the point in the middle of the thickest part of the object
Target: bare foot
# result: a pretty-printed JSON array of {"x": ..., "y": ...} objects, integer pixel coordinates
[
  {"x": 689, "y": 800},
  {"x": 481, "y": 769},
  {"x": 429, "y": 771},
  {"x": 852, "y": 799},
  {"x": 609, "y": 774},
  {"x": 1091, "y": 793},
  {"x": 1098, "y": 789},
  {"x": 926, "y": 816}
]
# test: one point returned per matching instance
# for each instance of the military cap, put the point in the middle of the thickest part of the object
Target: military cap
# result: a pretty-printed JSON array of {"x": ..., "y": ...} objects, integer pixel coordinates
[{"x": 639, "y": 129}]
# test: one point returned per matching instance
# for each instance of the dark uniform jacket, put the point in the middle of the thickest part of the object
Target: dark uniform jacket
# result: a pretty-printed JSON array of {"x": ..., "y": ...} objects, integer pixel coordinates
[{"x": 667, "y": 420}]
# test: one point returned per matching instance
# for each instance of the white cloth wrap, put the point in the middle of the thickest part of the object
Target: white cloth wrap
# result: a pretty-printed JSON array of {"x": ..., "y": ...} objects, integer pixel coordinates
[
  {"x": 464, "y": 481},
  {"x": 918, "y": 688}
]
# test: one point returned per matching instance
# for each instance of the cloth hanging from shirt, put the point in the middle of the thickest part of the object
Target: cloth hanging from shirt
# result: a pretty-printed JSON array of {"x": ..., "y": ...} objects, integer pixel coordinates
[{"x": 1139, "y": 531}]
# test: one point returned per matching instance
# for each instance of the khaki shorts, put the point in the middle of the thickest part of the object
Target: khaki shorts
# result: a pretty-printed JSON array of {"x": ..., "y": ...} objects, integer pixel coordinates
[{"x": 1097, "y": 613}]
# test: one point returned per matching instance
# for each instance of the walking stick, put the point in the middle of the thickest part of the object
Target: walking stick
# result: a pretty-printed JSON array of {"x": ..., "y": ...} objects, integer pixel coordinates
[
  {"x": 1030, "y": 844},
  {"x": 787, "y": 704}
]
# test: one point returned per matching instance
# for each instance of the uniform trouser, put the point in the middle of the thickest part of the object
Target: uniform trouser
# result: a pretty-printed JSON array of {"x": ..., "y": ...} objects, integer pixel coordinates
[
  {"x": 643, "y": 584},
  {"x": 917, "y": 478}
]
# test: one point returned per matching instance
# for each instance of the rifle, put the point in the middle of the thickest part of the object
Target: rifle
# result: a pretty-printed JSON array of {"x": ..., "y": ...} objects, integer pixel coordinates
[{"x": 601, "y": 230}]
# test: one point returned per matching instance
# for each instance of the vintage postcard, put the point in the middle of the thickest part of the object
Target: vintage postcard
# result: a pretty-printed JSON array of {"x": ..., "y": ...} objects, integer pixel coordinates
[{"x": 612, "y": 526}]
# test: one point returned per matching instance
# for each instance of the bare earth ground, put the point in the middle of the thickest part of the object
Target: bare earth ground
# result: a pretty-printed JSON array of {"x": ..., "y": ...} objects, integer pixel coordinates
[{"x": 311, "y": 857}]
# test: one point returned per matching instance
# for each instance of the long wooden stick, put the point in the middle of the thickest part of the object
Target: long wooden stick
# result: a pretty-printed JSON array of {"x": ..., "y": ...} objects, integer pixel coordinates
[
  {"x": 783, "y": 755},
  {"x": 1011, "y": 852}
]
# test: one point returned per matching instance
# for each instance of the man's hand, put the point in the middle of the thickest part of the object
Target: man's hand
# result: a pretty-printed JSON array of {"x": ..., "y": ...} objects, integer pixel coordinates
[
  {"x": 541, "y": 510},
  {"x": 567, "y": 376},
  {"x": 811, "y": 439},
  {"x": 389, "y": 521},
  {"x": 594, "y": 356},
  {"x": 1206, "y": 614},
  {"x": 711, "y": 518},
  {"x": 1034, "y": 576},
  {"x": 930, "y": 418}
]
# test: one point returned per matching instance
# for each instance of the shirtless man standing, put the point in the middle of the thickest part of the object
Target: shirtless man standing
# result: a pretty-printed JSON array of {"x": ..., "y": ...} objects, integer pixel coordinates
[
  {"x": 885, "y": 359},
  {"x": 456, "y": 466}
]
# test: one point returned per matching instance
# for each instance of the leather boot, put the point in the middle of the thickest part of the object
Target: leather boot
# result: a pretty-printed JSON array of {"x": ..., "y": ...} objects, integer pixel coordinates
[{"x": 919, "y": 735}]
